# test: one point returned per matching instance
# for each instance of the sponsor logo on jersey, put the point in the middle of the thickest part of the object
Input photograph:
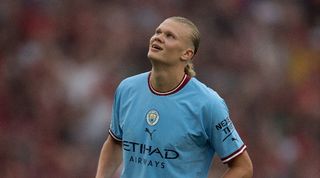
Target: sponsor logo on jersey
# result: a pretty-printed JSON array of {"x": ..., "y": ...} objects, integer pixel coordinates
[
  {"x": 147, "y": 155},
  {"x": 152, "y": 117},
  {"x": 149, "y": 150},
  {"x": 226, "y": 127}
]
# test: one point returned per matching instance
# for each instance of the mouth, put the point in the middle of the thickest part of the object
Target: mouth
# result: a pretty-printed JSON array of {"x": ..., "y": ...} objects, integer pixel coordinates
[{"x": 156, "y": 47}]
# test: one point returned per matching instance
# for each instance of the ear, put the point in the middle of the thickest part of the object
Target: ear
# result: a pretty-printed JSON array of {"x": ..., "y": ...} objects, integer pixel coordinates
[{"x": 187, "y": 55}]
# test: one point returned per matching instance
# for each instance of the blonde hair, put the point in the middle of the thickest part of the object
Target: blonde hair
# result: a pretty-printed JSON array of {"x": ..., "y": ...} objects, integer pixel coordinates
[
  {"x": 189, "y": 70},
  {"x": 195, "y": 38}
]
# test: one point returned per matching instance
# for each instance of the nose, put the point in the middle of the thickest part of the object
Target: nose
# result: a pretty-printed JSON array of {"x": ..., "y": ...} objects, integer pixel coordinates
[{"x": 157, "y": 37}]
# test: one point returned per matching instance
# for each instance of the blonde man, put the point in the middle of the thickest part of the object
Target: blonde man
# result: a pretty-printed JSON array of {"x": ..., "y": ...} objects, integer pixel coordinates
[{"x": 166, "y": 123}]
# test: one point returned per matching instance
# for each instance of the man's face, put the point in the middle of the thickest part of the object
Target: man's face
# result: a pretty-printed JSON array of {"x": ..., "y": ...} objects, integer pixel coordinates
[{"x": 170, "y": 42}]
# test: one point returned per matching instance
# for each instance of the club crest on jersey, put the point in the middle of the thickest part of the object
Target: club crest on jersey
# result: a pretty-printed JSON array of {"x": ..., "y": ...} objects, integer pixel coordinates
[{"x": 152, "y": 117}]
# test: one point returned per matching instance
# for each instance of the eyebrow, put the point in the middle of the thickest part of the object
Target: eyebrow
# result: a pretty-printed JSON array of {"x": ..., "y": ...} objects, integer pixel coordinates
[{"x": 166, "y": 31}]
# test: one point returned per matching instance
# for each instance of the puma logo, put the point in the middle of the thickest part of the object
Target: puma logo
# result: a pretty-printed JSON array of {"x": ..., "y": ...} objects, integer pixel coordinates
[{"x": 150, "y": 133}]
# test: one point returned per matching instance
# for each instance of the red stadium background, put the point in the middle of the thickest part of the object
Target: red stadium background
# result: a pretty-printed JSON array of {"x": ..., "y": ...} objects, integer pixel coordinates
[{"x": 60, "y": 62}]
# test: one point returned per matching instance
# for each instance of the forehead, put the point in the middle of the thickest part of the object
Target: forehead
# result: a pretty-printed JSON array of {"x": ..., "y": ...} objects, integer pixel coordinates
[{"x": 178, "y": 28}]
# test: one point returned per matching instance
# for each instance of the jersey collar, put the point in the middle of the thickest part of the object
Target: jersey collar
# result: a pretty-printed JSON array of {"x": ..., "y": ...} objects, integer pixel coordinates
[{"x": 182, "y": 83}]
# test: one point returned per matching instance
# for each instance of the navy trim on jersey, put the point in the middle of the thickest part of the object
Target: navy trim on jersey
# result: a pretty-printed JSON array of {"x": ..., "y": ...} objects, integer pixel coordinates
[
  {"x": 114, "y": 136},
  {"x": 183, "y": 82},
  {"x": 234, "y": 154}
]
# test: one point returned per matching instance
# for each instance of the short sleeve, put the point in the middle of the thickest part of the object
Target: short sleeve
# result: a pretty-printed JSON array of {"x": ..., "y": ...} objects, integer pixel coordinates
[
  {"x": 115, "y": 129},
  {"x": 223, "y": 135}
]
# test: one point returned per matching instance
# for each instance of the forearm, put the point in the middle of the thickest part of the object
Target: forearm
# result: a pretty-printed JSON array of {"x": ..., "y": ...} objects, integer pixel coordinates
[{"x": 110, "y": 159}]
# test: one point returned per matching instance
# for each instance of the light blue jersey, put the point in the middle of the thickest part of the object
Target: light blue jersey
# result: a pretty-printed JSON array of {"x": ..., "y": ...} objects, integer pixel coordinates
[{"x": 173, "y": 134}]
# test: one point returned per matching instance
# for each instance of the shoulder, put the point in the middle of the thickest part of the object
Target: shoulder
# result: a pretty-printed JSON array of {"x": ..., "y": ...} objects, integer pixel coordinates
[
  {"x": 207, "y": 98},
  {"x": 134, "y": 81},
  {"x": 204, "y": 92}
]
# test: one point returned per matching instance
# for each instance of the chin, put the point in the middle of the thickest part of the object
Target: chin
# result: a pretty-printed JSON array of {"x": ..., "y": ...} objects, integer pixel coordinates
[{"x": 153, "y": 56}]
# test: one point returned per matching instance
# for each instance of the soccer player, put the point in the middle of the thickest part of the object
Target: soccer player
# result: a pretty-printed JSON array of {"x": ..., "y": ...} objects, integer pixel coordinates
[{"x": 166, "y": 123}]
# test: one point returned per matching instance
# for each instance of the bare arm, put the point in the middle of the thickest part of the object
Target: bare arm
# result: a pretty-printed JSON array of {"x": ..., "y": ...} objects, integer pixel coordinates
[
  {"x": 239, "y": 167},
  {"x": 110, "y": 158}
]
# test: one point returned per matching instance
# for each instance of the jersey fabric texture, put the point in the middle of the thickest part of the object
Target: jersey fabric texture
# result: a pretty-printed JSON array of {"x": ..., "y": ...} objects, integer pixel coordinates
[{"x": 173, "y": 134}]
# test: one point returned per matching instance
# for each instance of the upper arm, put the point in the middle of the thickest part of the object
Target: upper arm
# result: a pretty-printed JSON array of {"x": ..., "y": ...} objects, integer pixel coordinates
[
  {"x": 115, "y": 129},
  {"x": 242, "y": 165},
  {"x": 113, "y": 150},
  {"x": 223, "y": 135},
  {"x": 110, "y": 158},
  {"x": 113, "y": 144}
]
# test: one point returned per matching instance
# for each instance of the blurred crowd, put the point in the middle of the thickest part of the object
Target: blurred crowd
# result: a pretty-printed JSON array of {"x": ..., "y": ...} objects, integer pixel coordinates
[{"x": 60, "y": 62}]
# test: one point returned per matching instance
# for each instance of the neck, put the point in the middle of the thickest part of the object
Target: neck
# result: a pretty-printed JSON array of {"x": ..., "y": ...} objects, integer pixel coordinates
[{"x": 164, "y": 80}]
